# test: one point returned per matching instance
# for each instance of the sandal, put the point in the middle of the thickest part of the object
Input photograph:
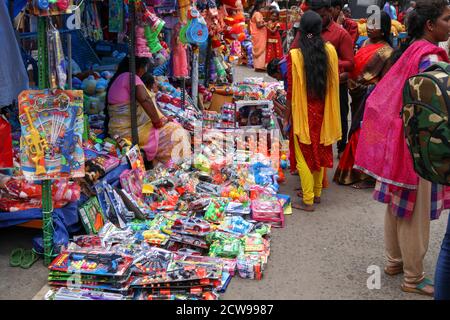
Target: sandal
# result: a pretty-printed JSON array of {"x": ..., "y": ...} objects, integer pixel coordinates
[
  {"x": 419, "y": 288},
  {"x": 364, "y": 185},
  {"x": 28, "y": 259},
  {"x": 16, "y": 257},
  {"x": 393, "y": 271},
  {"x": 303, "y": 206}
]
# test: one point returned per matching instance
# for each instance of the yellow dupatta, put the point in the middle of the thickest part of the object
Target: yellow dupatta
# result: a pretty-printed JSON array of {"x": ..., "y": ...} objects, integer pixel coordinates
[{"x": 331, "y": 131}]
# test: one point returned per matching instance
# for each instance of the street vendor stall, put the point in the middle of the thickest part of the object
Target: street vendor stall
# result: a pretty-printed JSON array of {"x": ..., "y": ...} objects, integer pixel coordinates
[{"x": 125, "y": 226}]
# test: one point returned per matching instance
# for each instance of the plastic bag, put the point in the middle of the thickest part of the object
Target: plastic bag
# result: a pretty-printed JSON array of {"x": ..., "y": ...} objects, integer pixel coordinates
[{"x": 6, "y": 151}]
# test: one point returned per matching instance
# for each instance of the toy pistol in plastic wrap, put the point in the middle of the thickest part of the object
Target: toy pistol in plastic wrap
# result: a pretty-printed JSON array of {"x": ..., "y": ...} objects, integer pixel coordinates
[
  {"x": 68, "y": 144},
  {"x": 36, "y": 145}
]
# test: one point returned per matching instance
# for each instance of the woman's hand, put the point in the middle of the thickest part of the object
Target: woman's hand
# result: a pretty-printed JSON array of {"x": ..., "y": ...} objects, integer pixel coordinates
[{"x": 161, "y": 123}]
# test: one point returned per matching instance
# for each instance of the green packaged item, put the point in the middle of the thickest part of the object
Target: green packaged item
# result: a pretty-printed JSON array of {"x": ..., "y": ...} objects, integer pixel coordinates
[
  {"x": 230, "y": 248},
  {"x": 92, "y": 216}
]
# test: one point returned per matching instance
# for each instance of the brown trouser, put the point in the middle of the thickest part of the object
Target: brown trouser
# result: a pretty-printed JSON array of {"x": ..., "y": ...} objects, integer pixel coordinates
[{"x": 407, "y": 240}]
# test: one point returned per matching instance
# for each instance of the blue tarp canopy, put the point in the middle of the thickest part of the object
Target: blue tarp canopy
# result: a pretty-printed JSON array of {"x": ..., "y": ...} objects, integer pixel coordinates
[{"x": 19, "y": 5}]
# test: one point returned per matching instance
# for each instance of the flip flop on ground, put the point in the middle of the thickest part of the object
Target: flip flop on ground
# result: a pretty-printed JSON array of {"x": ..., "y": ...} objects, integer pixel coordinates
[
  {"x": 28, "y": 259},
  {"x": 16, "y": 257}
]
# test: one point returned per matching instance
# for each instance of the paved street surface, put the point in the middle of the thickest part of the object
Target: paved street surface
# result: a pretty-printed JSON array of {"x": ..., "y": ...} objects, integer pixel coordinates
[{"x": 319, "y": 255}]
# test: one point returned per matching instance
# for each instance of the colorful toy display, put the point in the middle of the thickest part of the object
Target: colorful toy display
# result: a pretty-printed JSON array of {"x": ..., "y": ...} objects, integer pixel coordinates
[{"x": 52, "y": 126}]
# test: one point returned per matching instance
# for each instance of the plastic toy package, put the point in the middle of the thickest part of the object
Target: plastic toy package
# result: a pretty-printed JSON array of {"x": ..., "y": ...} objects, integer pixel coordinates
[
  {"x": 269, "y": 211},
  {"x": 52, "y": 127},
  {"x": 216, "y": 210},
  {"x": 154, "y": 260},
  {"x": 93, "y": 263},
  {"x": 82, "y": 294},
  {"x": 180, "y": 274},
  {"x": 236, "y": 225},
  {"x": 91, "y": 215}
]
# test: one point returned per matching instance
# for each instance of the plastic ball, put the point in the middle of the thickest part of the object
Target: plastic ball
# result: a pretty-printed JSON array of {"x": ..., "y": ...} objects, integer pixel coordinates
[
  {"x": 283, "y": 164},
  {"x": 283, "y": 157}
]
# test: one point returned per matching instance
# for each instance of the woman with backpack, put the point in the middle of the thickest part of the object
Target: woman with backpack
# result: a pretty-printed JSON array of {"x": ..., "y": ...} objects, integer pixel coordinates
[
  {"x": 313, "y": 94},
  {"x": 382, "y": 151}
]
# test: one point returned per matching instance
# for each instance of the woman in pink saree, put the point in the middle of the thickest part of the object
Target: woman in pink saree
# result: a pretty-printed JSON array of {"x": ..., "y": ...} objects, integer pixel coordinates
[
  {"x": 258, "y": 31},
  {"x": 383, "y": 154}
]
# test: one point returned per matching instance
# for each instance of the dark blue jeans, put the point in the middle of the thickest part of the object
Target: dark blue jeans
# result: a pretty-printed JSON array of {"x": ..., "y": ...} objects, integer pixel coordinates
[{"x": 442, "y": 277}]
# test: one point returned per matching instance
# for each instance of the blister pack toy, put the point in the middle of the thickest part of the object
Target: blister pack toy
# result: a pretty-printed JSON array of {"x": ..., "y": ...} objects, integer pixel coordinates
[
  {"x": 94, "y": 263},
  {"x": 51, "y": 140},
  {"x": 84, "y": 294},
  {"x": 249, "y": 267},
  {"x": 229, "y": 248},
  {"x": 236, "y": 225},
  {"x": 194, "y": 241},
  {"x": 269, "y": 211},
  {"x": 91, "y": 215},
  {"x": 216, "y": 210},
  {"x": 152, "y": 261},
  {"x": 238, "y": 208}
]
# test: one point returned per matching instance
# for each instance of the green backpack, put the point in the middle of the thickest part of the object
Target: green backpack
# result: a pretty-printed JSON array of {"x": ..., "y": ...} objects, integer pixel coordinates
[{"x": 426, "y": 105}]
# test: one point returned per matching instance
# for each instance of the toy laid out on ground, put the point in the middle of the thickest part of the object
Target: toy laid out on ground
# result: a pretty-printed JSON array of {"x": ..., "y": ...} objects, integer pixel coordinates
[
  {"x": 52, "y": 126},
  {"x": 192, "y": 246},
  {"x": 181, "y": 230}
]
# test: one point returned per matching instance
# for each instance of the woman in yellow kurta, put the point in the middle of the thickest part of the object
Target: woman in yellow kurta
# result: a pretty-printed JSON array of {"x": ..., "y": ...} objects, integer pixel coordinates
[
  {"x": 313, "y": 108},
  {"x": 258, "y": 31}
]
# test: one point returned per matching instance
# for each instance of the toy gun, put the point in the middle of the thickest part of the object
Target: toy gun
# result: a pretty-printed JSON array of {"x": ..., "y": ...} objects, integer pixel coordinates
[
  {"x": 68, "y": 144},
  {"x": 111, "y": 261},
  {"x": 36, "y": 145}
]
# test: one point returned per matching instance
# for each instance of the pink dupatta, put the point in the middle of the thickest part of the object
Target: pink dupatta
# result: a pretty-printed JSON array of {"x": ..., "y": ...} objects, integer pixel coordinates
[{"x": 382, "y": 151}]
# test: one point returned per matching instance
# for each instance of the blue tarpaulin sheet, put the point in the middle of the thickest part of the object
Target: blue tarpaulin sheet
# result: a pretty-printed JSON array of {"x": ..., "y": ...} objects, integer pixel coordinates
[
  {"x": 65, "y": 220},
  {"x": 18, "y": 6}
]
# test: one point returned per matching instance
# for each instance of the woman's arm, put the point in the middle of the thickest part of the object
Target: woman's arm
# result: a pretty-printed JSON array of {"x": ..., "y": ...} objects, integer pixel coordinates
[{"x": 147, "y": 103}]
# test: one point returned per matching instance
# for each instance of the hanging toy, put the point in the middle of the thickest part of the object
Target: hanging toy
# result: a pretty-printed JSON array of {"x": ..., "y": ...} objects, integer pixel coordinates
[
  {"x": 197, "y": 31},
  {"x": 152, "y": 30},
  {"x": 235, "y": 29},
  {"x": 43, "y": 4},
  {"x": 62, "y": 5}
]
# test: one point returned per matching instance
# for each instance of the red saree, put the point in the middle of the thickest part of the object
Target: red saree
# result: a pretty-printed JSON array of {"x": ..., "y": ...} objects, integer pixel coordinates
[
  {"x": 274, "y": 45},
  {"x": 367, "y": 69}
]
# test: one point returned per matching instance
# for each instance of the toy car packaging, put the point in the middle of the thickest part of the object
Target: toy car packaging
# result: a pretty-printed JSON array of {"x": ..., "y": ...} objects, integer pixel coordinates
[
  {"x": 197, "y": 242},
  {"x": 191, "y": 226},
  {"x": 51, "y": 141}
]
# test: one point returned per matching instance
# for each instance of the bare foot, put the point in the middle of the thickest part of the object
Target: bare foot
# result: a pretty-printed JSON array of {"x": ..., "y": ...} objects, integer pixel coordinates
[
  {"x": 316, "y": 199},
  {"x": 303, "y": 206},
  {"x": 364, "y": 185}
]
